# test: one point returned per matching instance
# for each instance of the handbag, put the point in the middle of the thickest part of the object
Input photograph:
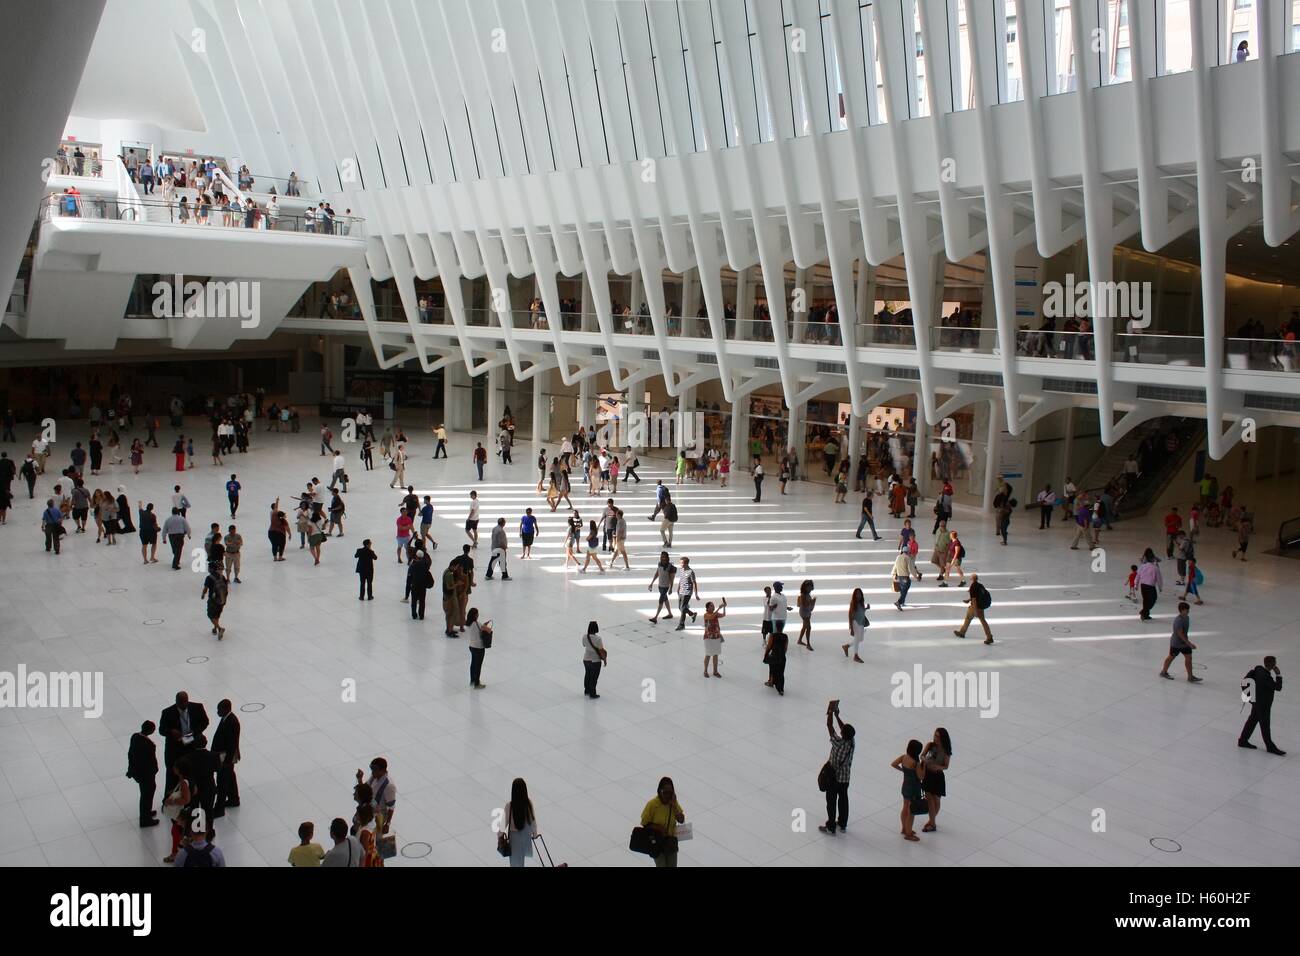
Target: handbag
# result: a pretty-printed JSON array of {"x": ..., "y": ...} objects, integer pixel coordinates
[
  {"x": 825, "y": 776},
  {"x": 919, "y": 805},
  {"x": 895, "y": 584},
  {"x": 652, "y": 844},
  {"x": 503, "y": 843},
  {"x": 485, "y": 634},
  {"x": 392, "y": 466}
]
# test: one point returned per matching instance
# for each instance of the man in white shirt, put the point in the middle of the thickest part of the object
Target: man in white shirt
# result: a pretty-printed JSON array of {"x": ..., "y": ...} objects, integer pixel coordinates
[
  {"x": 40, "y": 451},
  {"x": 346, "y": 850},
  {"x": 384, "y": 790},
  {"x": 776, "y": 604},
  {"x": 471, "y": 519},
  {"x": 340, "y": 475}
]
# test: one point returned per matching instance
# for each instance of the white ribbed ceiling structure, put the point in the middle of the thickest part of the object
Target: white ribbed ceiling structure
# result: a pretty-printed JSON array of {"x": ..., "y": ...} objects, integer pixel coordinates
[{"x": 551, "y": 138}]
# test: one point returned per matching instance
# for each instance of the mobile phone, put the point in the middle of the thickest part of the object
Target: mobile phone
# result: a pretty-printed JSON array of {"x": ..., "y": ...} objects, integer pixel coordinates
[{"x": 835, "y": 707}]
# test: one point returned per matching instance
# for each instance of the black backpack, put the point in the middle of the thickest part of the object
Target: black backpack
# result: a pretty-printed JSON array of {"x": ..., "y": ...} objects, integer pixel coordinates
[
  {"x": 201, "y": 857},
  {"x": 670, "y": 511}
]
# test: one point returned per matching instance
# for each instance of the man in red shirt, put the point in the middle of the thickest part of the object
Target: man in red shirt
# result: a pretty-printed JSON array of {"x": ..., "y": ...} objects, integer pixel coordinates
[{"x": 1173, "y": 524}]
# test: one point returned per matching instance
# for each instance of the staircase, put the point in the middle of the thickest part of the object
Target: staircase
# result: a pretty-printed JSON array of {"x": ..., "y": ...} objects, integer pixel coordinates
[
  {"x": 1288, "y": 539},
  {"x": 1150, "y": 485}
]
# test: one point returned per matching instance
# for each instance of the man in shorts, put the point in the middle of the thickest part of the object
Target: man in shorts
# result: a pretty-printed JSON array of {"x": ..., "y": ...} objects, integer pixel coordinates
[{"x": 1180, "y": 643}]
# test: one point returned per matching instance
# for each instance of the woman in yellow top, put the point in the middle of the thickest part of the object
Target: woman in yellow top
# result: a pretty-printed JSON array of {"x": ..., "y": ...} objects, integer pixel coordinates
[{"x": 662, "y": 814}]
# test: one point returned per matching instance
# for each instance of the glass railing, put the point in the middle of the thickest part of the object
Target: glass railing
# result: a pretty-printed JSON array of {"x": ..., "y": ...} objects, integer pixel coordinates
[
  {"x": 262, "y": 185},
  {"x": 164, "y": 212},
  {"x": 1264, "y": 355},
  {"x": 880, "y": 335}
]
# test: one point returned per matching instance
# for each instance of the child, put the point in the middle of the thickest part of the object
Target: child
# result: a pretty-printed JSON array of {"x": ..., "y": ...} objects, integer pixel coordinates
[
  {"x": 1194, "y": 522},
  {"x": 1132, "y": 582},
  {"x": 1194, "y": 580},
  {"x": 841, "y": 487},
  {"x": 189, "y": 453},
  {"x": 724, "y": 470},
  {"x": 1245, "y": 527},
  {"x": 306, "y": 853}
]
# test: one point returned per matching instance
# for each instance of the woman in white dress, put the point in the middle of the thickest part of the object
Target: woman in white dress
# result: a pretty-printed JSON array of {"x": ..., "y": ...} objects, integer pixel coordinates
[
  {"x": 713, "y": 635},
  {"x": 520, "y": 824}
]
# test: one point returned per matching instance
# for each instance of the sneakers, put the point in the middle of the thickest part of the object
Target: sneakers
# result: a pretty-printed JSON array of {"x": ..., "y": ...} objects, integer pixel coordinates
[
  {"x": 1166, "y": 675},
  {"x": 1195, "y": 680},
  {"x": 1246, "y": 744}
]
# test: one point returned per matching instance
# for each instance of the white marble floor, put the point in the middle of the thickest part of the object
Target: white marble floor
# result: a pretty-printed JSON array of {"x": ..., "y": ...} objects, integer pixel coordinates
[{"x": 1084, "y": 723}]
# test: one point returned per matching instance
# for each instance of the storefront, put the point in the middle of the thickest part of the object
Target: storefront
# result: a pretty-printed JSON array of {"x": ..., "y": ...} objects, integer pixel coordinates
[
  {"x": 888, "y": 440},
  {"x": 768, "y": 425},
  {"x": 825, "y": 425}
]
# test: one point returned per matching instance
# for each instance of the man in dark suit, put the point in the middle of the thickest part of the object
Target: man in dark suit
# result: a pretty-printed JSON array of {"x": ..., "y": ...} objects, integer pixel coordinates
[
  {"x": 142, "y": 767},
  {"x": 225, "y": 753},
  {"x": 1267, "y": 681},
  {"x": 181, "y": 726}
]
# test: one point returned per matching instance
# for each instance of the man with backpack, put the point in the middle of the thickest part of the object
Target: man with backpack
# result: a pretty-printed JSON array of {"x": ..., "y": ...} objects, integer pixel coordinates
[
  {"x": 201, "y": 851},
  {"x": 669, "y": 519},
  {"x": 977, "y": 603}
]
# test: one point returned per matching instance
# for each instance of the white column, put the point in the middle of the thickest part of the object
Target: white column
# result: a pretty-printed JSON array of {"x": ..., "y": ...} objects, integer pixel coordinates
[
  {"x": 1068, "y": 455},
  {"x": 866, "y": 295},
  {"x": 456, "y": 413},
  {"x": 921, "y": 452},
  {"x": 541, "y": 411},
  {"x": 855, "y": 442},
  {"x": 638, "y": 292},
  {"x": 494, "y": 383},
  {"x": 745, "y": 305},
  {"x": 691, "y": 303},
  {"x": 584, "y": 402},
  {"x": 585, "y": 305},
  {"x": 795, "y": 435},
  {"x": 685, "y": 420},
  {"x": 739, "y": 431},
  {"x": 991, "y": 452},
  {"x": 800, "y": 315}
]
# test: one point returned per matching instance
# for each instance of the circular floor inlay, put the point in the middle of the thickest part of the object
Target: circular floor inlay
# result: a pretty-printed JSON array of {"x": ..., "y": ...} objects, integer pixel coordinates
[
  {"x": 1058, "y": 629},
  {"x": 196, "y": 660},
  {"x": 117, "y": 590},
  {"x": 1165, "y": 845},
  {"x": 153, "y": 620},
  {"x": 1070, "y": 593},
  {"x": 87, "y": 564},
  {"x": 251, "y": 708},
  {"x": 1020, "y": 580},
  {"x": 416, "y": 851}
]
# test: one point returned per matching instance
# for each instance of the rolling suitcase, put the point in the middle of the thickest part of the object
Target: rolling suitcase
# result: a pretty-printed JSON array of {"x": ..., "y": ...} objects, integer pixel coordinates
[{"x": 538, "y": 838}]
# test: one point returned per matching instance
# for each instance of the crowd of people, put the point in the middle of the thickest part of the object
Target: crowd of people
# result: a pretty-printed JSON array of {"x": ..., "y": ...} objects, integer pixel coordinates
[{"x": 200, "y": 780}]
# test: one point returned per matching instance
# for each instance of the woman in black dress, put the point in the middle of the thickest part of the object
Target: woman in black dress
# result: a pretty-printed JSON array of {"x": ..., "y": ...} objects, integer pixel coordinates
[
  {"x": 124, "y": 525},
  {"x": 909, "y": 763},
  {"x": 148, "y": 534},
  {"x": 936, "y": 756}
]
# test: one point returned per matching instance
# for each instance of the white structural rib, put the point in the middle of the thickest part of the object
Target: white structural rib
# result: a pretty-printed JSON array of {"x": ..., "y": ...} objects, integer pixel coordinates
[
  {"x": 983, "y": 23},
  {"x": 893, "y": 26}
]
